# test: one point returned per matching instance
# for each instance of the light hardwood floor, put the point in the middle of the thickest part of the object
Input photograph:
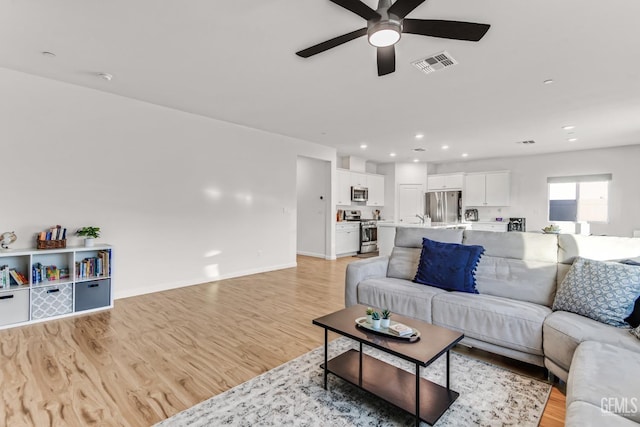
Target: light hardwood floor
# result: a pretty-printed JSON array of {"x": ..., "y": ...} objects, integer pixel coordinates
[{"x": 157, "y": 354}]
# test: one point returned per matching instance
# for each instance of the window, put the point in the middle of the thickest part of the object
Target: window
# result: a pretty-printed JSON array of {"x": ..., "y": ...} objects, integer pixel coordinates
[{"x": 579, "y": 198}]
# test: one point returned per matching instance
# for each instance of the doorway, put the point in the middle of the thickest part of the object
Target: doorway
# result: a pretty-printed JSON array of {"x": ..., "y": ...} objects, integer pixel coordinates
[
  {"x": 410, "y": 202},
  {"x": 313, "y": 187}
]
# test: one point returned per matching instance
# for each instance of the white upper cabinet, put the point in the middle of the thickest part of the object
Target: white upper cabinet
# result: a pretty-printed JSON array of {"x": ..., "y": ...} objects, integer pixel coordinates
[
  {"x": 487, "y": 189},
  {"x": 345, "y": 179},
  {"x": 343, "y": 187},
  {"x": 445, "y": 182},
  {"x": 358, "y": 179},
  {"x": 375, "y": 184}
]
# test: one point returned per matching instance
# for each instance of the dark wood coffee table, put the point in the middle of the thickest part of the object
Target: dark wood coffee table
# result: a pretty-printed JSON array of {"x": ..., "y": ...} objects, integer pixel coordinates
[{"x": 418, "y": 396}]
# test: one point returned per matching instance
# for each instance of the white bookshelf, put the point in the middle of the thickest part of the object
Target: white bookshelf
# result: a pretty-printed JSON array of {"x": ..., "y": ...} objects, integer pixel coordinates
[{"x": 54, "y": 299}]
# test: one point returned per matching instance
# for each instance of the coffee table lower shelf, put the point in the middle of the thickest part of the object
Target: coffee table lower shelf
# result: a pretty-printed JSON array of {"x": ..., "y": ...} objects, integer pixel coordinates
[{"x": 393, "y": 384}]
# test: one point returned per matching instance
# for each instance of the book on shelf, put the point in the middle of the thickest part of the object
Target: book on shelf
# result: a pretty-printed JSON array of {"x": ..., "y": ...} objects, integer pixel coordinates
[
  {"x": 400, "y": 329},
  {"x": 5, "y": 277},
  {"x": 54, "y": 233},
  {"x": 17, "y": 278}
]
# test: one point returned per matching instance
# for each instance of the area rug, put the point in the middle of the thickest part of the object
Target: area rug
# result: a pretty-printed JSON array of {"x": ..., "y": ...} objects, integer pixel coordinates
[{"x": 292, "y": 395}]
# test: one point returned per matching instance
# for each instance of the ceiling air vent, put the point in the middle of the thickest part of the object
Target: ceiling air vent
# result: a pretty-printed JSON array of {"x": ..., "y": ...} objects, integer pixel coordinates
[
  {"x": 436, "y": 62},
  {"x": 530, "y": 141}
]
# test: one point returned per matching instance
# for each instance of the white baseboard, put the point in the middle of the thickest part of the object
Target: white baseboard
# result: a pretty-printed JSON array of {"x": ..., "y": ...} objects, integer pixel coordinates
[
  {"x": 126, "y": 293},
  {"x": 313, "y": 254}
]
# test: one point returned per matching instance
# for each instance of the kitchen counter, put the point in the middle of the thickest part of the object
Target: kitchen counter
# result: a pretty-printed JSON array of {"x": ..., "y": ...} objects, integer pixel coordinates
[{"x": 421, "y": 225}]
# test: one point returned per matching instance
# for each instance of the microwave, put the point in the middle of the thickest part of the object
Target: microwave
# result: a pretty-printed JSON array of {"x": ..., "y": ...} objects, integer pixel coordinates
[{"x": 359, "y": 194}]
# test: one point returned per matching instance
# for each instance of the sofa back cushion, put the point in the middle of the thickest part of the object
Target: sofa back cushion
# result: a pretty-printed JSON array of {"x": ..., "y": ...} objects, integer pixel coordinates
[
  {"x": 403, "y": 263},
  {"x": 410, "y": 237},
  {"x": 521, "y": 266},
  {"x": 601, "y": 248}
]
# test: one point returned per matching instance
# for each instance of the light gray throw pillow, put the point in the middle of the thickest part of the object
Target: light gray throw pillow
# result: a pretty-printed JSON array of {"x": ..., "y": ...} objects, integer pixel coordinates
[{"x": 603, "y": 291}]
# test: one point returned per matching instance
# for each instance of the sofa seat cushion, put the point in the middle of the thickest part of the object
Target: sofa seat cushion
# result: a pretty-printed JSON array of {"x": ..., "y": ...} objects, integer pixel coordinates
[
  {"x": 583, "y": 414},
  {"x": 501, "y": 321},
  {"x": 605, "y": 376},
  {"x": 564, "y": 331},
  {"x": 399, "y": 296}
]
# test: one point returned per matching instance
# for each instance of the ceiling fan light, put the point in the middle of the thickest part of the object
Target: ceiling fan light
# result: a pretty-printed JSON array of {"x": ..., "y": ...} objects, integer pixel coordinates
[
  {"x": 384, "y": 33},
  {"x": 384, "y": 38}
]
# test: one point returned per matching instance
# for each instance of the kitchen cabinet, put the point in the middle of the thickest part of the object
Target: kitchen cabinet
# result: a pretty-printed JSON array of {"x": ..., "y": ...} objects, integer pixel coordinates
[
  {"x": 375, "y": 184},
  {"x": 343, "y": 187},
  {"x": 347, "y": 238},
  {"x": 445, "y": 182},
  {"x": 345, "y": 179},
  {"x": 386, "y": 238},
  {"x": 359, "y": 179},
  {"x": 487, "y": 189},
  {"x": 489, "y": 226}
]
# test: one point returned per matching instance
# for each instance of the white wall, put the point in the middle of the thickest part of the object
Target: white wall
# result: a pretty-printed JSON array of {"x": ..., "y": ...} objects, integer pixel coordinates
[
  {"x": 184, "y": 199},
  {"x": 529, "y": 184},
  {"x": 313, "y": 197}
]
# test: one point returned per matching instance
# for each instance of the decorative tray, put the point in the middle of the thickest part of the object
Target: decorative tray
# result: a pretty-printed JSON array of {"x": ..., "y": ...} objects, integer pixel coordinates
[{"x": 362, "y": 322}]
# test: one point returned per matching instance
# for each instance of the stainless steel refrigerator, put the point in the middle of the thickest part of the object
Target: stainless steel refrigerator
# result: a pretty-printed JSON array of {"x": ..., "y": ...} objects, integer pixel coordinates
[{"x": 444, "y": 206}]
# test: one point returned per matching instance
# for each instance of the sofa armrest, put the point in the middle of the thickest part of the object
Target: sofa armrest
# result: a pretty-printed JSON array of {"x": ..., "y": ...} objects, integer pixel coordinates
[{"x": 360, "y": 270}]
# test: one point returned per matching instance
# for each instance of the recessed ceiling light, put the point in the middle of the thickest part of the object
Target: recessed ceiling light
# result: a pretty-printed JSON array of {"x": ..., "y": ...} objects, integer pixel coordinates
[
  {"x": 363, "y": 146},
  {"x": 548, "y": 81},
  {"x": 416, "y": 160},
  {"x": 105, "y": 76},
  {"x": 419, "y": 135},
  {"x": 49, "y": 54},
  {"x": 445, "y": 147},
  {"x": 392, "y": 154},
  {"x": 572, "y": 139},
  {"x": 568, "y": 127},
  {"x": 465, "y": 155}
]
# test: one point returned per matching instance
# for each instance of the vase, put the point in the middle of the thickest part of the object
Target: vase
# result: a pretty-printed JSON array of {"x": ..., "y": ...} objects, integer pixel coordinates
[
  {"x": 376, "y": 323},
  {"x": 369, "y": 319},
  {"x": 88, "y": 242},
  {"x": 385, "y": 323}
]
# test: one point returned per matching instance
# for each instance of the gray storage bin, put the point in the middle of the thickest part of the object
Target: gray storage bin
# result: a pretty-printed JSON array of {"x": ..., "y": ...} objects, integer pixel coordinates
[
  {"x": 48, "y": 301},
  {"x": 14, "y": 307},
  {"x": 93, "y": 294}
]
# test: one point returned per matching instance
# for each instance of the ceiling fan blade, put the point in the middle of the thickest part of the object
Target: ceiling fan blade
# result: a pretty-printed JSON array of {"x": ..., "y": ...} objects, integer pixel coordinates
[
  {"x": 402, "y": 8},
  {"x": 358, "y": 8},
  {"x": 336, "y": 41},
  {"x": 456, "y": 30},
  {"x": 386, "y": 60}
]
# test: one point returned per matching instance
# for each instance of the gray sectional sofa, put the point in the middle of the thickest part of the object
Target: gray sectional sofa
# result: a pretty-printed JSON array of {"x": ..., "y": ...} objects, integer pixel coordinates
[{"x": 516, "y": 277}]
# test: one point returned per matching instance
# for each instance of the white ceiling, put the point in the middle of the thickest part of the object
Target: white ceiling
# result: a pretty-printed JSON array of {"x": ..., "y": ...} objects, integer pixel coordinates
[{"x": 235, "y": 61}]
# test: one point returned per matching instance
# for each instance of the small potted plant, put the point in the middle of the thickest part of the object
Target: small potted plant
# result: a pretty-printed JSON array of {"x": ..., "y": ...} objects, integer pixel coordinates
[
  {"x": 375, "y": 320},
  {"x": 386, "y": 318},
  {"x": 369, "y": 313},
  {"x": 89, "y": 234}
]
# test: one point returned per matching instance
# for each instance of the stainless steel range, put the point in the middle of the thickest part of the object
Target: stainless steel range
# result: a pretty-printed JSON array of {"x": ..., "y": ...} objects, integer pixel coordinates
[{"x": 368, "y": 236}]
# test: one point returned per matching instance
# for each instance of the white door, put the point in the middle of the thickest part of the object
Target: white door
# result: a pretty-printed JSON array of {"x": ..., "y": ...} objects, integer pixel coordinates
[{"x": 410, "y": 202}]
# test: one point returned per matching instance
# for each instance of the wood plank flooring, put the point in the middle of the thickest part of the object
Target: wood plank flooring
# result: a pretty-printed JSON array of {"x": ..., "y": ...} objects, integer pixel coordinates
[{"x": 155, "y": 355}]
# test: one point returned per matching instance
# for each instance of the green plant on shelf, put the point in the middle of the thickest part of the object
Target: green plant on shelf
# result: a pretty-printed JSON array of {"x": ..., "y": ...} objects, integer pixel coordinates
[
  {"x": 386, "y": 314},
  {"x": 369, "y": 311},
  {"x": 91, "y": 232},
  {"x": 375, "y": 315}
]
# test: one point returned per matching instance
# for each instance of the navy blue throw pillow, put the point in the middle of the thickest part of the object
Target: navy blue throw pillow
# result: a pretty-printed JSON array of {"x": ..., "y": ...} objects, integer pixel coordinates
[
  {"x": 634, "y": 317},
  {"x": 449, "y": 266}
]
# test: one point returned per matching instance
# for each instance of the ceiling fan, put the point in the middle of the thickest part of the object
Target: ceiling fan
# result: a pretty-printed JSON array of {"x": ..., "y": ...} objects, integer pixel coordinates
[{"x": 388, "y": 22}]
